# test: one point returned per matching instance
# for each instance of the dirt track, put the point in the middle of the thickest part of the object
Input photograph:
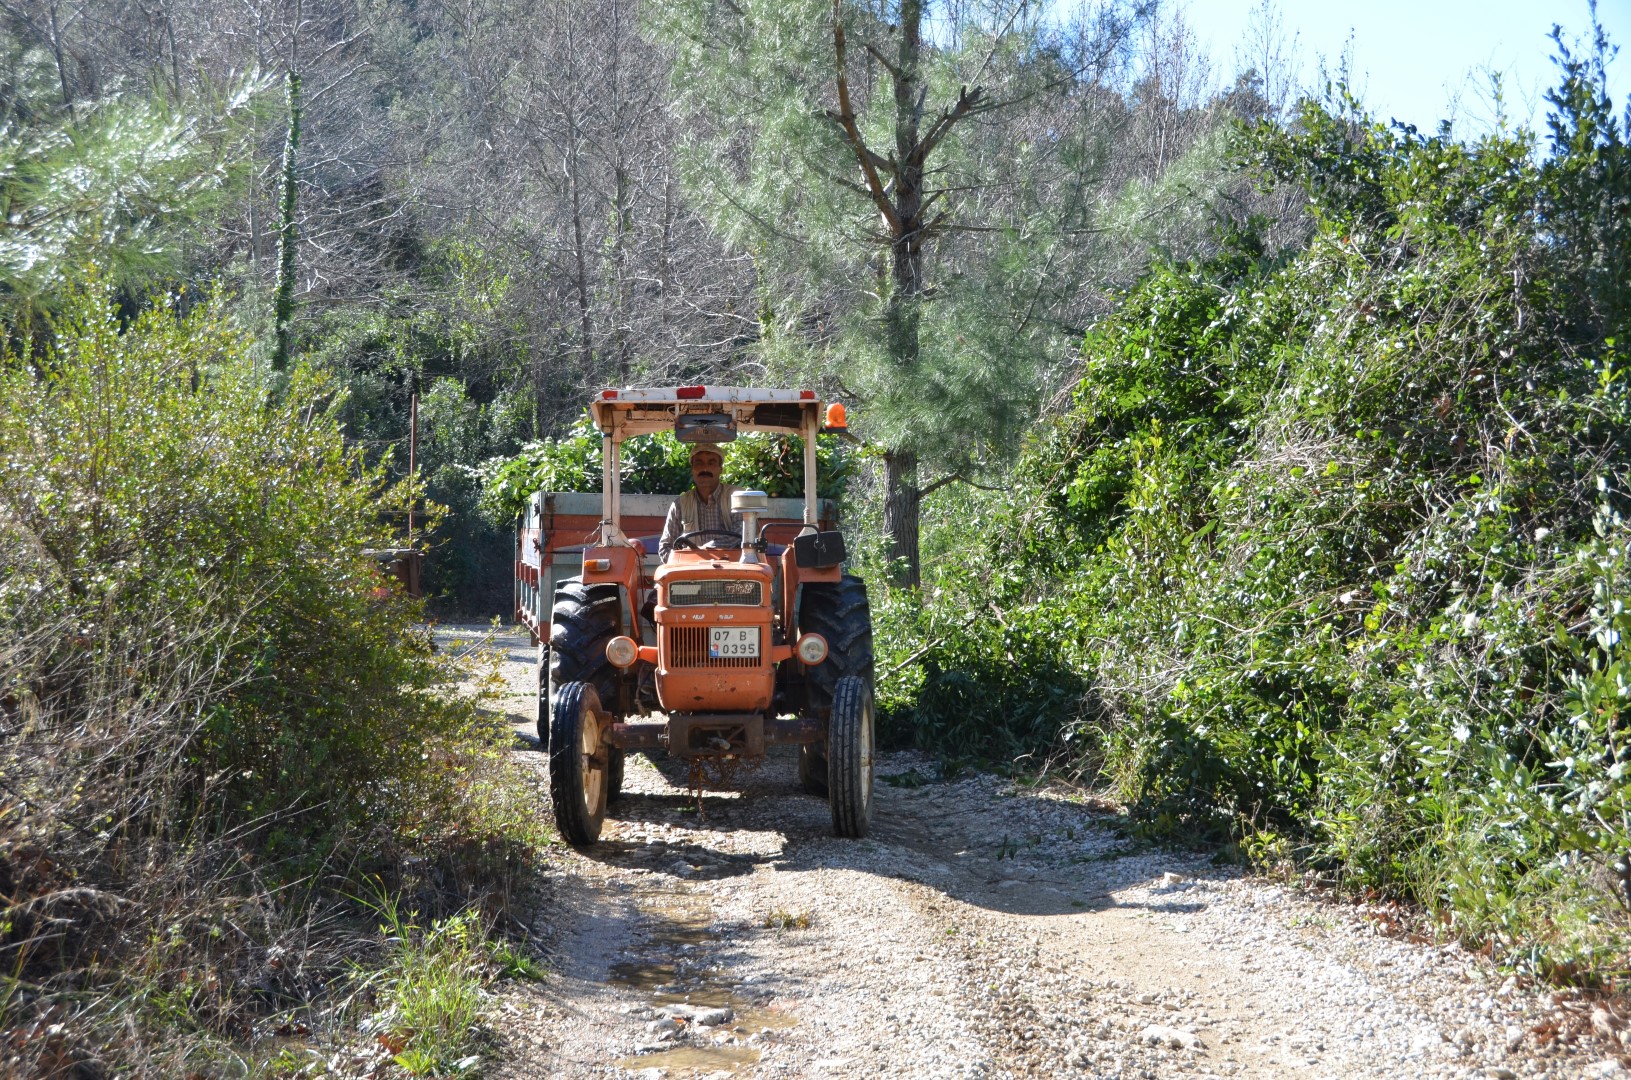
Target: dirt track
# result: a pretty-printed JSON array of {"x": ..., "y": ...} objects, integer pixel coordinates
[{"x": 982, "y": 930}]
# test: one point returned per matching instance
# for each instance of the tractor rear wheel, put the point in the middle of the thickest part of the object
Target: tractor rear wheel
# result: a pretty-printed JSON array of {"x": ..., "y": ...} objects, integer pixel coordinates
[
  {"x": 841, "y": 614},
  {"x": 849, "y": 757},
  {"x": 583, "y": 620},
  {"x": 579, "y": 764}
]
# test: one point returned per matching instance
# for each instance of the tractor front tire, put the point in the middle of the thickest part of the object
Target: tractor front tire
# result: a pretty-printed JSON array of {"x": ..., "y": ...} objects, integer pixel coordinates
[
  {"x": 583, "y": 620},
  {"x": 840, "y": 613},
  {"x": 849, "y": 757},
  {"x": 579, "y": 764}
]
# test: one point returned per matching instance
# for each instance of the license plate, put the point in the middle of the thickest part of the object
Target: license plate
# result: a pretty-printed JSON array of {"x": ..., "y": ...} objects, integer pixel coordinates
[{"x": 730, "y": 642}]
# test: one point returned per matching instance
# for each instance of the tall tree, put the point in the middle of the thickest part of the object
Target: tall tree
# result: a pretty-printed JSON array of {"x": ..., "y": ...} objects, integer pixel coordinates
[{"x": 908, "y": 201}]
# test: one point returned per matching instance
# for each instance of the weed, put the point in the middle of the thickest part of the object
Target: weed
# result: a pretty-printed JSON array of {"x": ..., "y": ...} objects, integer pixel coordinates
[
  {"x": 786, "y": 919},
  {"x": 513, "y": 962},
  {"x": 431, "y": 990}
]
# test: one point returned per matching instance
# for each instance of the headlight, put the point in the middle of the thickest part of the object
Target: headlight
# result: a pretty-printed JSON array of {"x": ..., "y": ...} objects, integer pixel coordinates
[
  {"x": 812, "y": 648},
  {"x": 622, "y": 651}
]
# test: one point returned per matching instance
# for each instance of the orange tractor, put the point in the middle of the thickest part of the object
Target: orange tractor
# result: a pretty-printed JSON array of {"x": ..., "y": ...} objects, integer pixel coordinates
[{"x": 754, "y": 640}]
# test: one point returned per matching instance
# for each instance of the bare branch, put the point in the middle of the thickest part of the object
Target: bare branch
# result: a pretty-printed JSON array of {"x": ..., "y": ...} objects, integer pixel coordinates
[
  {"x": 869, "y": 161},
  {"x": 967, "y": 102}
]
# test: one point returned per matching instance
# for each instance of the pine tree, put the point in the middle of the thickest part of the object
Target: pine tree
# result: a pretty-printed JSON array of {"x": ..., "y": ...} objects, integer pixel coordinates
[{"x": 903, "y": 199}]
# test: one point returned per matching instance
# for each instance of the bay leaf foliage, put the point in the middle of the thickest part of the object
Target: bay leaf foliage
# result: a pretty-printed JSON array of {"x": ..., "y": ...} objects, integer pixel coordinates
[
  {"x": 1328, "y": 551},
  {"x": 657, "y": 464}
]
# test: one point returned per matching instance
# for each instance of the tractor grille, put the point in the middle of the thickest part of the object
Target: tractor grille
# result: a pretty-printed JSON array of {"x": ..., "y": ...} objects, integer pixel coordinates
[
  {"x": 688, "y": 648},
  {"x": 714, "y": 591}
]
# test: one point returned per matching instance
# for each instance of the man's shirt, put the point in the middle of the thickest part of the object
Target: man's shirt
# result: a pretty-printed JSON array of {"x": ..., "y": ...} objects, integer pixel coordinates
[{"x": 690, "y": 514}]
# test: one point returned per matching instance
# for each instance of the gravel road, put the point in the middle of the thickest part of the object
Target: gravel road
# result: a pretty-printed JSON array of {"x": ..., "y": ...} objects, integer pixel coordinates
[{"x": 985, "y": 929}]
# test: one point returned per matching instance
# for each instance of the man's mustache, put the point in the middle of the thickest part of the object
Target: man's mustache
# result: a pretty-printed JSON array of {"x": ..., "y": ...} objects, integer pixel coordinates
[{"x": 704, "y": 474}]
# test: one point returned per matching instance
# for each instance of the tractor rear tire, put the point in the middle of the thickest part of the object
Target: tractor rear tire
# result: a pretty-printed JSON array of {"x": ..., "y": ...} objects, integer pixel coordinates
[
  {"x": 583, "y": 620},
  {"x": 841, "y": 614},
  {"x": 578, "y": 764},
  {"x": 849, "y": 757}
]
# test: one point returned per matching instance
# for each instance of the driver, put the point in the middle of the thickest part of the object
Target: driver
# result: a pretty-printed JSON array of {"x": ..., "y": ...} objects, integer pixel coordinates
[{"x": 707, "y": 506}]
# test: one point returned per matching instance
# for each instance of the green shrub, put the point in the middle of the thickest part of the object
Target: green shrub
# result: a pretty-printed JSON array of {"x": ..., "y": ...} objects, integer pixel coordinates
[
  {"x": 213, "y": 697},
  {"x": 1325, "y": 552}
]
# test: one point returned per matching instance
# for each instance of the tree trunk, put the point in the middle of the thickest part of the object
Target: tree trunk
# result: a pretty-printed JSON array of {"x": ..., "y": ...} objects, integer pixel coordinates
[
  {"x": 903, "y": 316},
  {"x": 288, "y": 235},
  {"x": 900, "y": 514},
  {"x": 580, "y": 260},
  {"x": 62, "y": 67},
  {"x": 904, "y": 208}
]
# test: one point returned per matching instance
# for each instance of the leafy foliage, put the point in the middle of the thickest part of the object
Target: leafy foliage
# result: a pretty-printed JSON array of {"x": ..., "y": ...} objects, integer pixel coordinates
[
  {"x": 655, "y": 465},
  {"x": 211, "y": 690},
  {"x": 1335, "y": 537}
]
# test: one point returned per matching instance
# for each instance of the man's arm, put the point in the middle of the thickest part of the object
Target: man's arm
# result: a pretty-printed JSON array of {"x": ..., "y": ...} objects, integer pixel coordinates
[{"x": 671, "y": 531}]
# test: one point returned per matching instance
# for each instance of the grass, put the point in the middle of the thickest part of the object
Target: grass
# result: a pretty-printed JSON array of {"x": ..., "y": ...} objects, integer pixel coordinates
[
  {"x": 433, "y": 988},
  {"x": 787, "y": 919}
]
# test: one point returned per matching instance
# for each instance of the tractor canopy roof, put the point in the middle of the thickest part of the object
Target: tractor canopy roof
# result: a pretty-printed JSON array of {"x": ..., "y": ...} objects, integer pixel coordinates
[{"x": 705, "y": 413}]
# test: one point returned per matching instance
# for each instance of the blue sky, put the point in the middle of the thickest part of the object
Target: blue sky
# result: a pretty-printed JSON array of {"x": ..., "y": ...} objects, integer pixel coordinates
[{"x": 1412, "y": 57}]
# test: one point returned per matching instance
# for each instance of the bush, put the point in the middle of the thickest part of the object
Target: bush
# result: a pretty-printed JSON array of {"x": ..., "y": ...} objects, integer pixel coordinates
[
  {"x": 1335, "y": 538},
  {"x": 209, "y": 692}
]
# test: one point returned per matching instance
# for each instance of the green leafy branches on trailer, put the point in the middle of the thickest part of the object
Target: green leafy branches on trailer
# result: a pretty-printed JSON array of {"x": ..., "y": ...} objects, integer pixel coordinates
[{"x": 656, "y": 465}]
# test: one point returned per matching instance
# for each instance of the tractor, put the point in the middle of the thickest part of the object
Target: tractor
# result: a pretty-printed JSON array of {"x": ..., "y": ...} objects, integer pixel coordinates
[{"x": 754, "y": 639}]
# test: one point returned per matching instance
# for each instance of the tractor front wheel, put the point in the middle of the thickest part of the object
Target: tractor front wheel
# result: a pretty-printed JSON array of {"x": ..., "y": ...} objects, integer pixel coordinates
[
  {"x": 579, "y": 764},
  {"x": 849, "y": 756}
]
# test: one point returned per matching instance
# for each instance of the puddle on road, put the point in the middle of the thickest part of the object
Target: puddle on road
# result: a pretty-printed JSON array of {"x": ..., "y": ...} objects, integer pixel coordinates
[
  {"x": 667, "y": 976},
  {"x": 704, "y": 1059}
]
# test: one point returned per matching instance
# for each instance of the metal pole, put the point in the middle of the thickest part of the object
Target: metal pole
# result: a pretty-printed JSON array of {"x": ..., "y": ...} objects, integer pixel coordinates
[{"x": 812, "y": 425}]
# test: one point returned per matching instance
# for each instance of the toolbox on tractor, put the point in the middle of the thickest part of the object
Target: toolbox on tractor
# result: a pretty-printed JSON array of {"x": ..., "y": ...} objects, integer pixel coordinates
[{"x": 739, "y": 642}]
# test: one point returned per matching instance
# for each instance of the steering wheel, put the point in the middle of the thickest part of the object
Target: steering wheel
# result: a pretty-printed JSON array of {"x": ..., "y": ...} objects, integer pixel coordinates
[{"x": 689, "y": 539}]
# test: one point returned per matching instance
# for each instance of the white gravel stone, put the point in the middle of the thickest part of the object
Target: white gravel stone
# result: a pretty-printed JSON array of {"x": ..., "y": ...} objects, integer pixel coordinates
[{"x": 1177, "y": 1038}]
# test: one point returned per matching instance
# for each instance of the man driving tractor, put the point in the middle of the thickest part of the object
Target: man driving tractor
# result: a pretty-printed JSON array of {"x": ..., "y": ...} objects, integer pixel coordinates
[{"x": 706, "y": 507}]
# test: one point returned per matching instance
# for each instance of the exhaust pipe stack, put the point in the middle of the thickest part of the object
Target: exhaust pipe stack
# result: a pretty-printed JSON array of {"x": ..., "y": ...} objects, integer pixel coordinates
[{"x": 748, "y": 505}]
